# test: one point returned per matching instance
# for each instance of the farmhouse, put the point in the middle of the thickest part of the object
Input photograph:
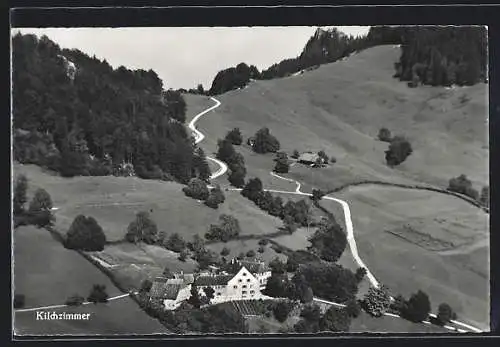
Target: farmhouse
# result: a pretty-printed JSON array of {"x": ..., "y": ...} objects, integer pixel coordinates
[
  {"x": 311, "y": 159},
  {"x": 228, "y": 287},
  {"x": 244, "y": 280}
]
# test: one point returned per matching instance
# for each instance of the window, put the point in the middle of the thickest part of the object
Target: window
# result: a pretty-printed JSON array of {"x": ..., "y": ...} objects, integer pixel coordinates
[
  {"x": 244, "y": 286},
  {"x": 251, "y": 285},
  {"x": 218, "y": 293},
  {"x": 235, "y": 287},
  {"x": 248, "y": 279},
  {"x": 252, "y": 291},
  {"x": 244, "y": 273},
  {"x": 240, "y": 280},
  {"x": 244, "y": 292}
]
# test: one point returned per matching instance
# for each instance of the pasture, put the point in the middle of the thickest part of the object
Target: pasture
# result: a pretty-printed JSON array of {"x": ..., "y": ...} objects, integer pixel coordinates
[
  {"x": 423, "y": 240},
  {"x": 47, "y": 274},
  {"x": 340, "y": 108}
]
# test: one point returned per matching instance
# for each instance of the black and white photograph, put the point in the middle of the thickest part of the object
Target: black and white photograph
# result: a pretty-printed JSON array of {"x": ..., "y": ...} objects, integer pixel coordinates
[{"x": 250, "y": 180}]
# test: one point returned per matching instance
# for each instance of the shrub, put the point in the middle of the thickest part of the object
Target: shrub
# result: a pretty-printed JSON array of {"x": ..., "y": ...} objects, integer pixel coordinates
[
  {"x": 41, "y": 201},
  {"x": 291, "y": 264},
  {"x": 399, "y": 149},
  {"x": 75, "y": 300},
  {"x": 19, "y": 300},
  {"x": 225, "y": 151},
  {"x": 85, "y": 234},
  {"x": 215, "y": 198},
  {"x": 252, "y": 189},
  {"x": 289, "y": 224},
  {"x": 282, "y": 165},
  {"x": 261, "y": 249},
  {"x": 417, "y": 308},
  {"x": 329, "y": 281},
  {"x": 240, "y": 256},
  {"x": 146, "y": 286},
  {"x": 335, "y": 319},
  {"x": 227, "y": 229},
  {"x": 20, "y": 198},
  {"x": 317, "y": 194},
  {"x": 384, "y": 135},
  {"x": 353, "y": 308},
  {"x": 196, "y": 189},
  {"x": 264, "y": 142},
  {"x": 98, "y": 294},
  {"x": 462, "y": 185},
  {"x": 377, "y": 301},
  {"x": 143, "y": 228},
  {"x": 183, "y": 255},
  {"x": 398, "y": 305},
  {"x": 281, "y": 311},
  {"x": 323, "y": 156},
  {"x": 234, "y": 136},
  {"x": 263, "y": 242},
  {"x": 250, "y": 253},
  {"x": 175, "y": 243},
  {"x": 295, "y": 154},
  {"x": 237, "y": 178},
  {"x": 445, "y": 313},
  {"x": 225, "y": 252},
  {"x": 329, "y": 241},
  {"x": 360, "y": 274}
]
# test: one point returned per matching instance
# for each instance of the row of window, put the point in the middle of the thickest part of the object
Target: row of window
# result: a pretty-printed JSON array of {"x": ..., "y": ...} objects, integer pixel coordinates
[
  {"x": 240, "y": 280},
  {"x": 244, "y": 286},
  {"x": 245, "y": 292}
]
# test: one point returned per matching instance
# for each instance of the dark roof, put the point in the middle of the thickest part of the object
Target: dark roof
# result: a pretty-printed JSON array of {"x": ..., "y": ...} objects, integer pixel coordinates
[
  {"x": 254, "y": 266},
  {"x": 212, "y": 280},
  {"x": 162, "y": 290}
]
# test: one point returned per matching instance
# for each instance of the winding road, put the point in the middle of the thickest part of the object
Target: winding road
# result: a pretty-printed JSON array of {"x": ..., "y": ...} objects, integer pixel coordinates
[{"x": 199, "y": 136}]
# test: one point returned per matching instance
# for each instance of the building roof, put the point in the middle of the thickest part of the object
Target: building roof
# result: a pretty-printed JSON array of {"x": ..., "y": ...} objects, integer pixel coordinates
[
  {"x": 162, "y": 290},
  {"x": 309, "y": 157},
  {"x": 167, "y": 288},
  {"x": 218, "y": 280},
  {"x": 254, "y": 266}
]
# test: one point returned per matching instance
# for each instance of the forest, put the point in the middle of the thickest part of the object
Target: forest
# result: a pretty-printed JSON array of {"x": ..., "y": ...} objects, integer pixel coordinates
[
  {"x": 443, "y": 56},
  {"x": 92, "y": 121}
]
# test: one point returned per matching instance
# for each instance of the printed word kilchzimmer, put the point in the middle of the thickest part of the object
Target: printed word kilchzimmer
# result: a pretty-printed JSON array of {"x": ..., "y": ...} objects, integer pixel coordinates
[{"x": 42, "y": 315}]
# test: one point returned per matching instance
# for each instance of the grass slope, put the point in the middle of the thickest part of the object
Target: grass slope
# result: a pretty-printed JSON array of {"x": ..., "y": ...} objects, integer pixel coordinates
[
  {"x": 114, "y": 201},
  {"x": 47, "y": 274},
  {"x": 340, "y": 107},
  {"x": 445, "y": 253}
]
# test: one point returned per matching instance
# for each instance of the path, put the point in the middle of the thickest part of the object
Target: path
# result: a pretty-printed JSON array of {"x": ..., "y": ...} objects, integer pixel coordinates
[
  {"x": 345, "y": 206},
  {"x": 60, "y": 306}
]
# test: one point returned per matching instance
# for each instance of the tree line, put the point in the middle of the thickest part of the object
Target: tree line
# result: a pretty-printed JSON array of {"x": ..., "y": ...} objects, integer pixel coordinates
[
  {"x": 443, "y": 56},
  {"x": 90, "y": 123},
  {"x": 430, "y": 55}
]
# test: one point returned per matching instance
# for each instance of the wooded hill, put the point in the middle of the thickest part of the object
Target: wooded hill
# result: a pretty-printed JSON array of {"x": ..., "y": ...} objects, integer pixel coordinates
[
  {"x": 430, "y": 55},
  {"x": 91, "y": 122}
]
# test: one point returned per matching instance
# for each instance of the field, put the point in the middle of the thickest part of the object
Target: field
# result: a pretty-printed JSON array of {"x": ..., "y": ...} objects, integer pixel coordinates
[
  {"x": 114, "y": 201},
  {"x": 394, "y": 228},
  {"x": 340, "y": 108},
  {"x": 47, "y": 274}
]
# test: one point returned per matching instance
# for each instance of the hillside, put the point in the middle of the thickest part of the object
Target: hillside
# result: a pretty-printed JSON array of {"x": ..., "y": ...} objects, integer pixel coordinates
[
  {"x": 47, "y": 274},
  {"x": 340, "y": 107}
]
